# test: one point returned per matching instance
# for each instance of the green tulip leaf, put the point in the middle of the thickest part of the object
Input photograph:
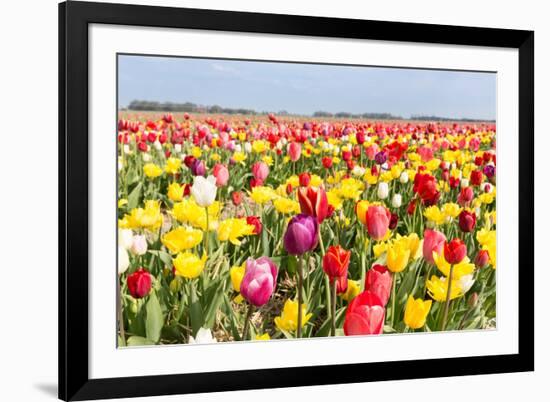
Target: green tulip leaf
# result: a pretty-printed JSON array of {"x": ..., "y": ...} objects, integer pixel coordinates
[{"x": 155, "y": 319}]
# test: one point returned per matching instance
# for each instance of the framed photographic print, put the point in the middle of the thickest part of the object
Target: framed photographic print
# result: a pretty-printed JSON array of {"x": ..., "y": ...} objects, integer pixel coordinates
[{"x": 257, "y": 200}]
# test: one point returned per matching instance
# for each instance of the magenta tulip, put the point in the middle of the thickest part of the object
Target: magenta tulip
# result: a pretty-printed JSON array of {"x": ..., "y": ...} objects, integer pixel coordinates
[
  {"x": 259, "y": 281},
  {"x": 301, "y": 234}
]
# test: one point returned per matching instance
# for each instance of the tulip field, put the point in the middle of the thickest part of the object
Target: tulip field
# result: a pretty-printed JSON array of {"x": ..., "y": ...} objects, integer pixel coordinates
[{"x": 263, "y": 227}]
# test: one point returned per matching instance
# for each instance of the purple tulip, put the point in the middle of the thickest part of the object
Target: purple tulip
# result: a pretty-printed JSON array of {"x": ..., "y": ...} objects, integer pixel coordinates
[
  {"x": 489, "y": 171},
  {"x": 198, "y": 168},
  {"x": 260, "y": 278},
  {"x": 381, "y": 158},
  {"x": 301, "y": 234}
]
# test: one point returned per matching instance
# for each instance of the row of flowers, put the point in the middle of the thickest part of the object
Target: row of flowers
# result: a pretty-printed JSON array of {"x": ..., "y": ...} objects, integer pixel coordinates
[{"x": 243, "y": 229}]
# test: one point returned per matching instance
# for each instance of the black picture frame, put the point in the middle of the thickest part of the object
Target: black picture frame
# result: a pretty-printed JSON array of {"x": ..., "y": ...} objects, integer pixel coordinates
[{"x": 74, "y": 18}]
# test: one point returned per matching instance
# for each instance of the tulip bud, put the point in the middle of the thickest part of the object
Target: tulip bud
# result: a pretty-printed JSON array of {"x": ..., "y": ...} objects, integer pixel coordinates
[
  {"x": 472, "y": 300},
  {"x": 482, "y": 259},
  {"x": 454, "y": 251},
  {"x": 404, "y": 178},
  {"x": 259, "y": 281}
]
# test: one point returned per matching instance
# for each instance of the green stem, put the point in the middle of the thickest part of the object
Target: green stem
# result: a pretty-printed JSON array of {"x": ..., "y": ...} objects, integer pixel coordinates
[
  {"x": 247, "y": 321},
  {"x": 327, "y": 282},
  {"x": 333, "y": 315},
  {"x": 121, "y": 318},
  {"x": 448, "y": 298},
  {"x": 300, "y": 279},
  {"x": 206, "y": 232},
  {"x": 394, "y": 279}
]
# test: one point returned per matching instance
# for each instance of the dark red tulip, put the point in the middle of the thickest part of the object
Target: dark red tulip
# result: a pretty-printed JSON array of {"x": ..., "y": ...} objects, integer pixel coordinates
[{"x": 467, "y": 221}]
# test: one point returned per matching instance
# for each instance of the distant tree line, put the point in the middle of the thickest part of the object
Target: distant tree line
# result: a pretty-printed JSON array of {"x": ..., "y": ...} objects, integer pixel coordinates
[
  {"x": 439, "y": 118},
  {"x": 142, "y": 105},
  {"x": 378, "y": 116},
  {"x": 184, "y": 107}
]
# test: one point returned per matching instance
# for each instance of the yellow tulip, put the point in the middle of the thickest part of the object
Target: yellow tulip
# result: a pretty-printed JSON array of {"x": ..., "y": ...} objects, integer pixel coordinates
[
  {"x": 288, "y": 320},
  {"x": 397, "y": 257},
  {"x": 234, "y": 228},
  {"x": 189, "y": 265},
  {"x": 149, "y": 217},
  {"x": 262, "y": 194},
  {"x": 151, "y": 170},
  {"x": 263, "y": 337},
  {"x": 416, "y": 312},
  {"x": 352, "y": 290},
  {"x": 361, "y": 209},
  {"x": 286, "y": 206},
  {"x": 182, "y": 238},
  {"x": 437, "y": 288},
  {"x": 237, "y": 274},
  {"x": 433, "y": 214},
  {"x": 172, "y": 165},
  {"x": 175, "y": 192}
]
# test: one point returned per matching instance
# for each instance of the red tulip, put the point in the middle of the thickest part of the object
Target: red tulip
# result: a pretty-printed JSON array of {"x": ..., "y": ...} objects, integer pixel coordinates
[
  {"x": 425, "y": 185},
  {"x": 139, "y": 283},
  {"x": 364, "y": 315},
  {"x": 341, "y": 284},
  {"x": 466, "y": 196},
  {"x": 336, "y": 262},
  {"x": 305, "y": 179},
  {"x": 327, "y": 162},
  {"x": 454, "y": 251},
  {"x": 379, "y": 282},
  {"x": 467, "y": 221},
  {"x": 256, "y": 222},
  {"x": 433, "y": 241},
  {"x": 237, "y": 198},
  {"x": 476, "y": 177},
  {"x": 142, "y": 146},
  {"x": 378, "y": 221},
  {"x": 313, "y": 202},
  {"x": 411, "y": 207}
]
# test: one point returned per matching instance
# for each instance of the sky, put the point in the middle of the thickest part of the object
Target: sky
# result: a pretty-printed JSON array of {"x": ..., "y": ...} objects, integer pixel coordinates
[{"x": 306, "y": 88}]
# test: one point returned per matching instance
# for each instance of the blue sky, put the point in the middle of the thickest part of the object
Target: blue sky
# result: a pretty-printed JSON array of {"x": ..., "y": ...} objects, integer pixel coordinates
[{"x": 306, "y": 88}]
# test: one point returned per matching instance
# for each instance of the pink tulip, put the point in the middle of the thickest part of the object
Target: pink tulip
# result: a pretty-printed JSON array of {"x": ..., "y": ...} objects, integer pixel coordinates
[
  {"x": 294, "y": 151},
  {"x": 378, "y": 221},
  {"x": 372, "y": 150},
  {"x": 260, "y": 170},
  {"x": 379, "y": 282},
  {"x": 433, "y": 241},
  {"x": 221, "y": 173},
  {"x": 259, "y": 281}
]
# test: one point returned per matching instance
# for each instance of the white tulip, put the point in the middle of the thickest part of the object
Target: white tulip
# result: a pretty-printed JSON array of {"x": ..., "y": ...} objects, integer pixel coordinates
[
  {"x": 204, "y": 335},
  {"x": 396, "y": 200},
  {"x": 123, "y": 260},
  {"x": 238, "y": 148},
  {"x": 404, "y": 178},
  {"x": 464, "y": 183},
  {"x": 127, "y": 149},
  {"x": 139, "y": 245},
  {"x": 146, "y": 157},
  {"x": 157, "y": 145},
  {"x": 466, "y": 282},
  {"x": 358, "y": 171},
  {"x": 247, "y": 147},
  {"x": 204, "y": 190},
  {"x": 384, "y": 166},
  {"x": 177, "y": 148},
  {"x": 125, "y": 238},
  {"x": 383, "y": 190}
]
